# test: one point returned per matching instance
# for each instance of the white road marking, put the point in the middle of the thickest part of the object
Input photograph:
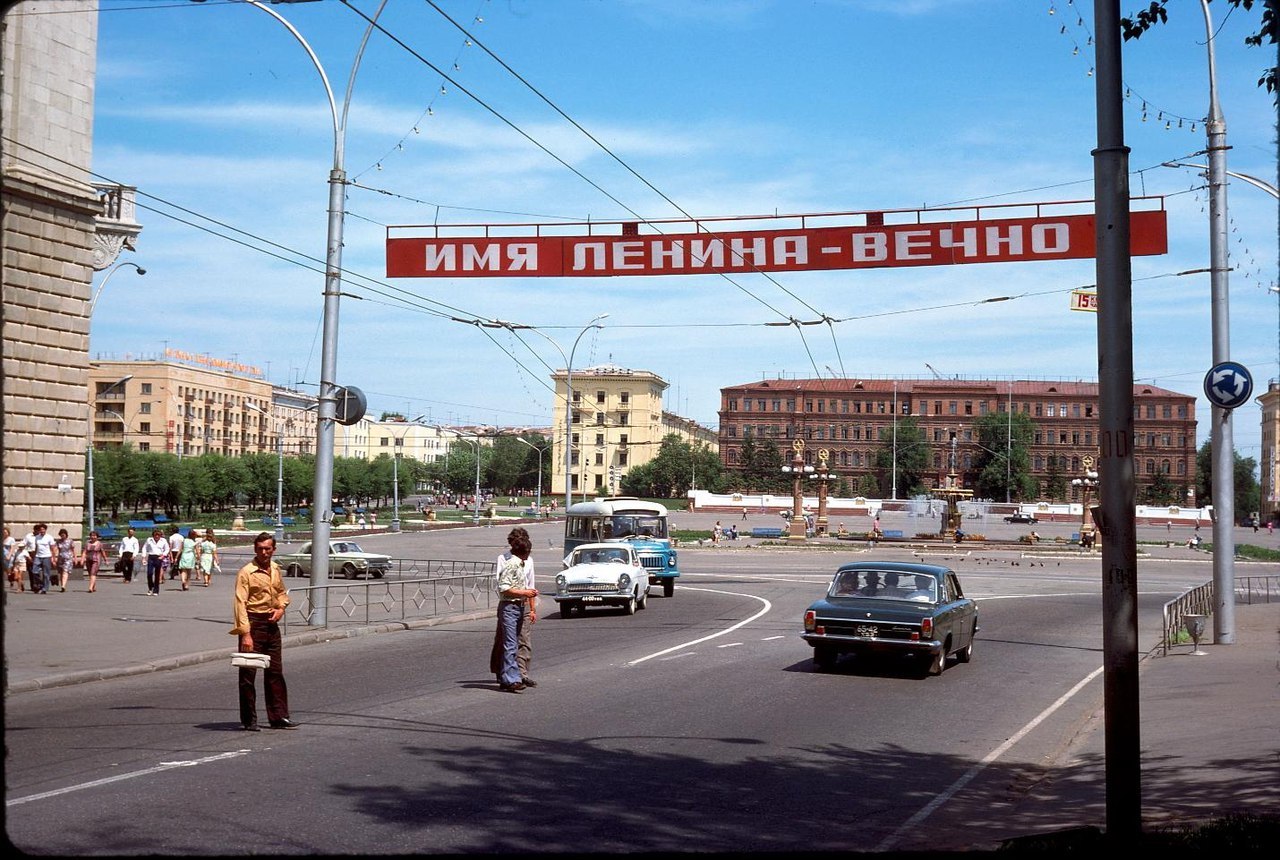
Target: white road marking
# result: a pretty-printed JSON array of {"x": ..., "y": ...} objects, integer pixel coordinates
[
  {"x": 932, "y": 806},
  {"x": 767, "y": 606},
  {"x": 160, "y": 768},
  {"x": 729, "y": 645}
]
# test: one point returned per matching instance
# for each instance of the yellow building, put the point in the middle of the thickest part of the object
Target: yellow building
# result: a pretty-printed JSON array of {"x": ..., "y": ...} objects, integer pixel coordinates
[
  {"x": 1269, "y": 464},
  {"x": 616, "y": 422},
  {"x": 193, "y": 405}
]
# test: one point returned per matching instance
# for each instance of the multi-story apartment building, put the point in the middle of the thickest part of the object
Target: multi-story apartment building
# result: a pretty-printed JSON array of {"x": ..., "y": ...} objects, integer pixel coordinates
[
  {"x": 1269, "y": 464},
  {"x": 847, "y": 416},
  {"x": 189, "y": 409},
  {"x": 616, "y": 423}
]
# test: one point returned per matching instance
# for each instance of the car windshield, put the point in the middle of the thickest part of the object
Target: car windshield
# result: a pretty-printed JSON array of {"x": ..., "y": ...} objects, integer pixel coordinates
[
  {"x": 600, "y": 556},
  {"x": 885, "y": 585},
  {"x": 346, "y": 547}
]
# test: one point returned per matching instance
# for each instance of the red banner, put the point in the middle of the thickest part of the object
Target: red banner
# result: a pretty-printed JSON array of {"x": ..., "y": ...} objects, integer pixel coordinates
[{"x": 797, "y": 250}]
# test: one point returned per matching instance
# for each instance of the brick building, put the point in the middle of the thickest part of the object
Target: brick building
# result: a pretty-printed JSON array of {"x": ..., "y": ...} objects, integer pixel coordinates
[{"x": 846, "y": 416}]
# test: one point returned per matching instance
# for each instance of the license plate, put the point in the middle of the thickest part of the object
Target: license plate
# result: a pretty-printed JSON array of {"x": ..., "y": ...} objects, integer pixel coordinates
[
  {"x": 867, "y": 630},
  {"x": 592, "y": 599}
]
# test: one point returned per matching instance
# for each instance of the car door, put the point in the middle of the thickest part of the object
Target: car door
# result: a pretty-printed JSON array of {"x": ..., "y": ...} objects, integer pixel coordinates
[{"x": 961, "y": 614}]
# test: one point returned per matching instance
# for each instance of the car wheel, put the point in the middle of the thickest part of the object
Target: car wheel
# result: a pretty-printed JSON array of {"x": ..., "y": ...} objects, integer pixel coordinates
[
  {"x": 566, "y": 610},
  {"x": 940, "y": 661},
  {"x": 349, "y": 571},
  {"x": 965, "y": 654},
  {"x": 668, "y": 587},
  {"x": 630, "y": 606},
  {"x": 377, "y": 574},
  {"x": 824, "y": 656},
  {"x": 644, "y": 599},
  {"x": 294, "y": 570}
]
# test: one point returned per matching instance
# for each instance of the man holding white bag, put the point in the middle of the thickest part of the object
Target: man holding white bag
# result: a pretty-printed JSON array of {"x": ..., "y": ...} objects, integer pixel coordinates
[{"x": 259, "y": 604}]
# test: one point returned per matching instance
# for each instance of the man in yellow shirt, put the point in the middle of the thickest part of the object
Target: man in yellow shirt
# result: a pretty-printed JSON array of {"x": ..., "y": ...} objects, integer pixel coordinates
[{"x": 259, "y": 604}]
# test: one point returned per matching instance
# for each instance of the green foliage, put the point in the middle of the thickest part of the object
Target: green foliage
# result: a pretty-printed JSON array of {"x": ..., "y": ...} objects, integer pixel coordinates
[
  {"x": 1248, "y": 494},
  {"x": 1161, "y": 491},
  {"x": 1003, "y": 461},
  {"x": 911, "y": 453},
  {"x": 675, "y": 470}
]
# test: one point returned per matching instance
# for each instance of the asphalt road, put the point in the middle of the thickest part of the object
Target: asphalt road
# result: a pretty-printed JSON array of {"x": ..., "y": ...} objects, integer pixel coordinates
[{"x": 697, "y": 724}]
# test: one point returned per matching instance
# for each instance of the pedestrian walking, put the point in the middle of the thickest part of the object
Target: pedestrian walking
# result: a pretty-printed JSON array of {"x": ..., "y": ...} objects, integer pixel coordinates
[
  {"x": 257, "y": 607},
  {"x": 65, "y": 558},
  {"x": 13, "y": 572},
  {"x": 515, "y": 595},
  {"x": 175, "y": 549},
  {"x": 744, "y": 513},
  {"x": 155, "y": 553},
  {"x": 207, "y": 556},
  {"x": 529, "y": 615},
  {"x": 129, "y": 548},
  {"x": 92, "y": 557},
  {"x": 187, "y": 557},
  {"x": 39, "y": 545}
]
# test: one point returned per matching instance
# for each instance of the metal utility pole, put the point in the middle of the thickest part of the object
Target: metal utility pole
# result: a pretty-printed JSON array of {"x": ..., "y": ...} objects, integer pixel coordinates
[
  {"x": 1221, "y": 442},
  {"x": 1116, "y": 474}
]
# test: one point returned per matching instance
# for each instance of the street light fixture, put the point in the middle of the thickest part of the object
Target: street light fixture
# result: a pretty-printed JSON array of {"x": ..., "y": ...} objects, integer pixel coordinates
[
  {"x": 1086, "y": 482},
  {"x": 279, "y": 470},
  {"x": 537, "y": 448},
  {"x": 102, "y": 286},
  {"x": 476, "y": 445},
  {"x": 822, "y": 475},
  {"x": 798, "y": 471},
  {"x": 395, "y": 474},
  {"x": 93, "y": 409},
  {"x": 326, "y": 414}
]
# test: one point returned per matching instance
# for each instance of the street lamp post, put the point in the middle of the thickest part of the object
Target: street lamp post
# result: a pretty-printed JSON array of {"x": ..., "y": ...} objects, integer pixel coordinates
[
  {"x": 326, "y": 413},
  {"x": 797, "y": 470},
  {"x": 93, "y": 409},
  {"x": 279, "y": 534},
  {"x": 395, "y": 475},
  {"x": 822, "y": 476},
  {"x": 1086, "y": 482},
  {"x": 539, "y": 450},
  {"x": 93, "y": 304}
]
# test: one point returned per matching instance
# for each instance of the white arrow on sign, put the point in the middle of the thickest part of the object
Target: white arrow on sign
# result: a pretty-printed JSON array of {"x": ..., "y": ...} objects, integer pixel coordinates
[{"x": 1229, "y": 374}]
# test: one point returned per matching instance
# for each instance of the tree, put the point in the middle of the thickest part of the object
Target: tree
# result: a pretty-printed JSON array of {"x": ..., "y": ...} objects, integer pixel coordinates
[
  {"x": 1133, "y": 28},
  {"x": 1003, "y": 461},
  {"x": 1161, "y": 491},
  {"x": 1248, "y": 495},
  {"x": 911, "y": 453},
  {"x": 1055, "y": 484},
  {"x": 747, "y": 461},
  {"x": 670, "y": 474}
]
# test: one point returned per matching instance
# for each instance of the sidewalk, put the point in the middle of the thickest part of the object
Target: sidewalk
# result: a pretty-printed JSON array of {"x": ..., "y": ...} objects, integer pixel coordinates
[{"x": 1209, "y": 736}]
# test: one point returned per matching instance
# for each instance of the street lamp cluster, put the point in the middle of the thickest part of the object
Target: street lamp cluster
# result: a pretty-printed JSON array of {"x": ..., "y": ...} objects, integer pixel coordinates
[
  {"x": 1085, "y": 483},
  {"x": 798, "y": 471}
]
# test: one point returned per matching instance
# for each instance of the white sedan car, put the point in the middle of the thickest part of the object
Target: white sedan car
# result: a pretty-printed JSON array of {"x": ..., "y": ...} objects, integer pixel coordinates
[{"x": 602, "y": 574}]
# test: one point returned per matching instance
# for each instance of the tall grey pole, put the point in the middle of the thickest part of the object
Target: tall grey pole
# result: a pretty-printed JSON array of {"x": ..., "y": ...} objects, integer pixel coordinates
[
  {"x": 1116, "y": 475},
  {"x": 894, "y": 490},
  {"x": 327, "y": 411},
  {"x": 1221, "y": 443},
  {"x": 279, "y": 482}
]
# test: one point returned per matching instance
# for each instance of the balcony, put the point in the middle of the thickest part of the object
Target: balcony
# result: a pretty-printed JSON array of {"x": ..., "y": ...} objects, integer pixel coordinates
[{"x": 116, "y": 225}]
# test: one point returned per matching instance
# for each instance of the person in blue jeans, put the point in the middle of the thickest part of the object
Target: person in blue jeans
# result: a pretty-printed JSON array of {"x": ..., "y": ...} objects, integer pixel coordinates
[{"x": 514, "y": 593}]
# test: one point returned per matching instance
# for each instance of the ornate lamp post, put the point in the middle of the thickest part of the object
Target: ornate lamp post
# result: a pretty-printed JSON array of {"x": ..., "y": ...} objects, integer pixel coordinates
[
  {"x": 539, "y": 449},
  {"x": 1087, "y": 481},
  {"x": 822, "y": 476},
  {"x": 797, "y": 470}
]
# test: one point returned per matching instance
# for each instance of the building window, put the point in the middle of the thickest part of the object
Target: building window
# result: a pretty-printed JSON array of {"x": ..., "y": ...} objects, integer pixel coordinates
[
  {"x": 808, "y": 406},
  {"x": 746, "y": 404},
  {"x": 624, "y": 397},
  {"x": 731, "y": 431},
  {"x": 599, "y": 397},
  {"x": 759, "y": 405},
  {"x": 600, "y": 419},
  {"x": 577, "y": 417},
  {"x": 968, "y": 407},
  {"x": 146, "y": 388},
  {"x": 777, "y": 406},
  {"x": 144, "y": 427},
  {"x": 622, "y": 458},
  {"x": 623, "y": 418},
  {"x": 599, "y": 462},
  {"x": 144, "y": 446},
  {"x": 145, "y": 409},
  {"x": 821, "y": 405},
  {"x": 733, "y": 404},
  {"x": 951, "y": 408}
]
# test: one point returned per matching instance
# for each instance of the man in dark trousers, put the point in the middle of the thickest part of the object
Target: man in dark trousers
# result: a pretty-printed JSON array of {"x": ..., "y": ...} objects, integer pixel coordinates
[
  {"x": 524, "y": 646},
  {"x": 259, "y": 604}
]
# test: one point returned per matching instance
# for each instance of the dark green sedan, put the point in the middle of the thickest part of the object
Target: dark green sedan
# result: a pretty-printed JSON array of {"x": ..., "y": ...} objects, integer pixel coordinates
[{"x": 887, "y": 608}]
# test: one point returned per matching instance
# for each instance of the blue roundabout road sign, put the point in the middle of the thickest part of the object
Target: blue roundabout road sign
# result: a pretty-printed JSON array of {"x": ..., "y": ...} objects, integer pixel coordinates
[{"x": 1228, "y": 385}]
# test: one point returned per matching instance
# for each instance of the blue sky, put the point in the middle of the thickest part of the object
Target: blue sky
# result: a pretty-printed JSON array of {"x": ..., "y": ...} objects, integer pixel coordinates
[{"x": 726, "y": 108}]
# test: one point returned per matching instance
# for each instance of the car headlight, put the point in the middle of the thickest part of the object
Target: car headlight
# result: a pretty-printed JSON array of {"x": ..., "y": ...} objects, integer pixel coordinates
[
  {"x": 561, "y": 582},
  {"x": 624, "y": 582}
]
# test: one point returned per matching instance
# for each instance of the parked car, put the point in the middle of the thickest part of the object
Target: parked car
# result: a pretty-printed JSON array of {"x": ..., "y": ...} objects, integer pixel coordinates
[
  {"x": 1020, "y": 517},
  {"x": 346, "y": 559},
  {"x": 882, "y": 607},
  {"x": 602, "y": 574}
]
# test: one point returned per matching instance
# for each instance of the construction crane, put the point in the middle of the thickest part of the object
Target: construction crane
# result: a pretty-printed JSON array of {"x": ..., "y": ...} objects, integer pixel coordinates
[{"x": 936, "y": 375}]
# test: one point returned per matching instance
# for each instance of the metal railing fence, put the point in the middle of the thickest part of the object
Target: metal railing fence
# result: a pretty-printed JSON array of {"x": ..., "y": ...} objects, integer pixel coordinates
[
  {"x": 1199, "y": 601},
  {"x": 415, "y": 590}
]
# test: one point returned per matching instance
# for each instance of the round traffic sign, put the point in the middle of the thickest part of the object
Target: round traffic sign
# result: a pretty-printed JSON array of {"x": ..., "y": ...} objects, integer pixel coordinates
[{"x": 1228, "y": 384}]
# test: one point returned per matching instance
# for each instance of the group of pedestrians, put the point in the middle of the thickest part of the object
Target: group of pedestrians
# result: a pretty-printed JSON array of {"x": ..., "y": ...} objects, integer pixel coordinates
[
  {"x": 45, "y": 562},
  {"x": 188, "y": 558}
]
